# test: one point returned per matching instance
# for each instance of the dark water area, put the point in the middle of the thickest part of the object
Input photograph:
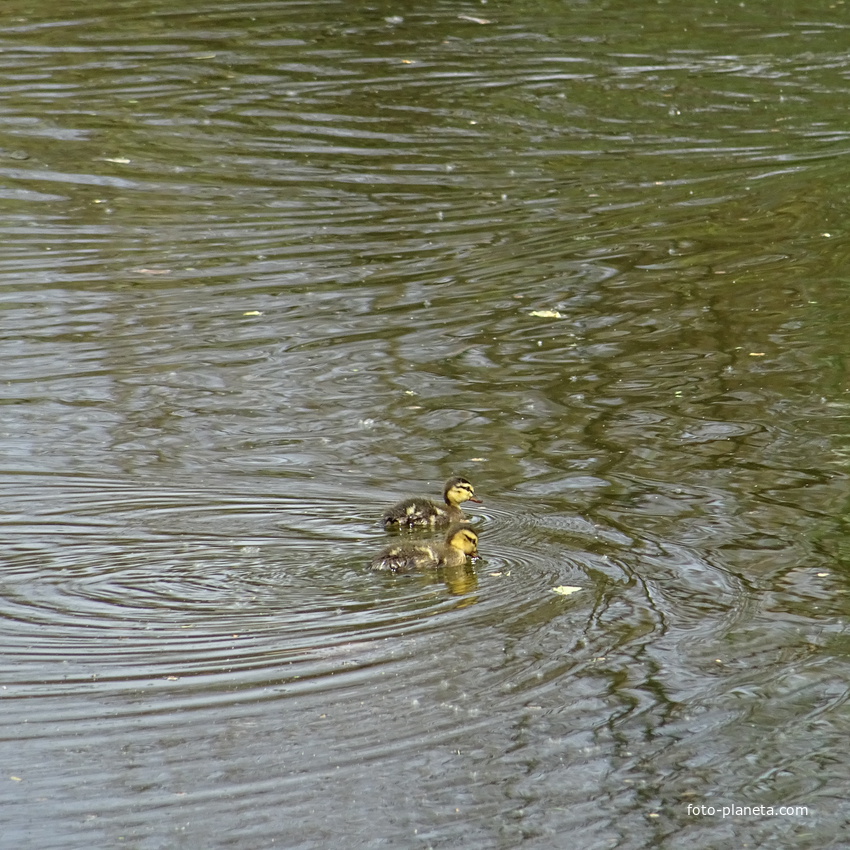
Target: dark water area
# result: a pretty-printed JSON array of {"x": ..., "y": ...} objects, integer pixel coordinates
[{"x": 268, "y": 267}]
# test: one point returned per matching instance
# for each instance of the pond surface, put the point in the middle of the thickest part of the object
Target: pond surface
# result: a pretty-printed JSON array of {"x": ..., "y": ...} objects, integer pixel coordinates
[{"x": 269, "y": 267}]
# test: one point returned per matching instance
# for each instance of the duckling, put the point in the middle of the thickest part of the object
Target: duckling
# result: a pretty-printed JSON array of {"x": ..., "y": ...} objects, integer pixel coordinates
[
  {"x": 423, "y": 513},
  {"x": 461, "y": 540}
]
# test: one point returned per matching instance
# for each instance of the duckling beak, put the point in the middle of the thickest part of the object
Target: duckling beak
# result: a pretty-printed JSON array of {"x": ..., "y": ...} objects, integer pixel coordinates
[{"x": 477, "y": 501}]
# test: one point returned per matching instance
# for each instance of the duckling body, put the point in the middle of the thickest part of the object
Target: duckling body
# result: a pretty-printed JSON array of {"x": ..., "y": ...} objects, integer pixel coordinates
[
  {"x": 423, "y": 513},
  {"x": 461, "y": 540}
]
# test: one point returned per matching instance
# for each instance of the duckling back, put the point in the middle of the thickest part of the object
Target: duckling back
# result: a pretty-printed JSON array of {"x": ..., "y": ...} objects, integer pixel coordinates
[
  {"x": 421, "y": 513},
  {"x": 406, "y": 558}
]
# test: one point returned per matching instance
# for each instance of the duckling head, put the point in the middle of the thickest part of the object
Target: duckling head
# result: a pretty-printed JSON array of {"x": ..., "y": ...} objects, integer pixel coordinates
[
  {"x": 462, "y": 536},
  {"x": 459, "y": 490}
]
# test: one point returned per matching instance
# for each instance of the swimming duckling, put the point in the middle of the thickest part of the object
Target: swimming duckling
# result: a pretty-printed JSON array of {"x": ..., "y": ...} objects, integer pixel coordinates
[
  {"x": 461, "y": 540},
  {"x": 423, "y": 513}
]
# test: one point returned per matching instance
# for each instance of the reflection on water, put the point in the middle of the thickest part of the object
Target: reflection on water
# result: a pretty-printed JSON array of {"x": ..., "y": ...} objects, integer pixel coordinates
[{"x": 269, "y": 269}]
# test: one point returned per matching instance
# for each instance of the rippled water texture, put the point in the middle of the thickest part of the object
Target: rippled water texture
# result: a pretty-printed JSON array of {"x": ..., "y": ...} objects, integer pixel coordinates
[{"x": 268, "y": 267}]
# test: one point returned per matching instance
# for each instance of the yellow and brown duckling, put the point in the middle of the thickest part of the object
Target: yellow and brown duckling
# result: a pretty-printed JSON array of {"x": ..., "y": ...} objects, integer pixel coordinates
[
  {"x": 423, "y": 513},
  {"x": 461, "y": 540}
]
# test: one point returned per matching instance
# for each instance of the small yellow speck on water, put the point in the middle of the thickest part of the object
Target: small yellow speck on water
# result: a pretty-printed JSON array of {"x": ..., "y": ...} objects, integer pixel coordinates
[
  {"x": 566, "y": 589},
  {"x": 654, "y": 815},
  {"x": 172, "y": 678},
  {"x": 546, "y": 314},
  {"x": 121, "y": 160},
  {"x": 477, "y": 459},
  {"x": 16, "y": 779},
  {"x": 756, "y": 354},
  {"x": 406, "y": 61},
  {"x": 253, "y": 313},
  {"x": 822, "y": 575}
]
